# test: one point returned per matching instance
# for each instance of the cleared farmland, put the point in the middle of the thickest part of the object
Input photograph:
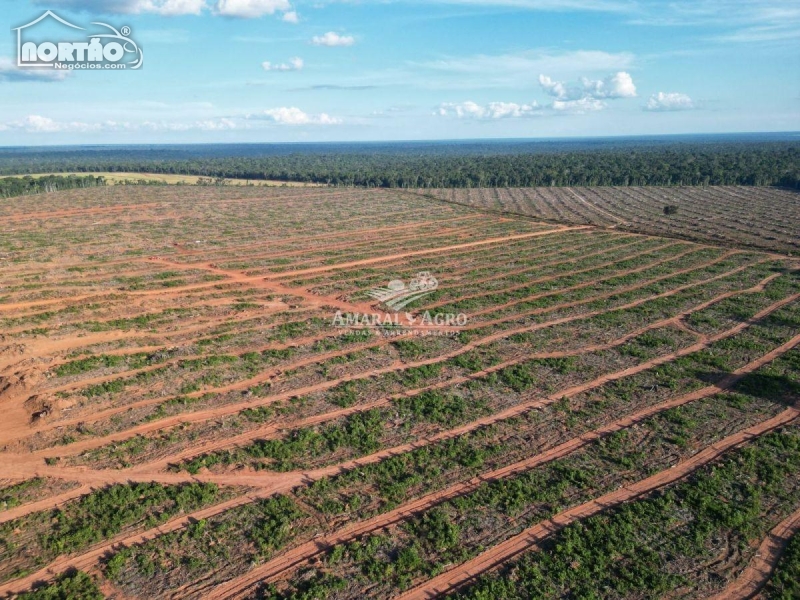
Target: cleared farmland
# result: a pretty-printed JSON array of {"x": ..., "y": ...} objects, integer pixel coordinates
[
  {"x": 126, "y": 177},
  {"x": 617, "y": 414},
  {"x": 758, "y": 217}
]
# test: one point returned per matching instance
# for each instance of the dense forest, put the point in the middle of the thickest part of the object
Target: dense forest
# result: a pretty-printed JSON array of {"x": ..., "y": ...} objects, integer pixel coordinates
[
  {"x": 689, "y": 160},
  {"x": 20, "y": 186}
]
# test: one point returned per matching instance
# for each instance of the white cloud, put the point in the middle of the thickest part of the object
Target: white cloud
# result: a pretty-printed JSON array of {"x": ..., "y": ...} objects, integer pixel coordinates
[
  {"x": 579, "y": 107},
  {"x": 529, "y": 62},
  {"x": 223, "y": 124},
  {"x": 291, "y": 115},
  {"x": 215, "y": 125},
  {"x": 669, "y": 101},
  {"x": 40, "y": 124},
  {"x": 552, "y": 5},
  {"x": 557, "y": 89},
  {"x": 619, "y": 85},
  {"x": 173, "y": 7},
  {"x": 246, "y": 9},
  {"x": 587, "y": 96},
  {"x": 250, "y": 9},
  {"x": 767, "y": 33},
  {"x": 492, "y": 110},
  {"x": 127, "y": 7},
  {"x": 11, "y": 73},
  {"x": 35, "y": 123},
  {"x": 333, "y": 39},
  {"x": 294, "y": 64}
]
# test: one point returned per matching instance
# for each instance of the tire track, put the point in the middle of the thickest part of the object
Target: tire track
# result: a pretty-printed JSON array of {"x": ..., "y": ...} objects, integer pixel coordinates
[
  {"x": 612, "y": 216},
  {"x": 263, "y": 280},
  {"x": 578, "y": 286},
  {"x": 27, "y": 465},
  {"x": 300, "y": 555},
  {"x": 756, "y": 575},
  {"x": 204, "y": 415},
  {"x": 379, "y": 259},
  {"x": 614, "y": 292},
  {"x": 286, "y": 481},
  {"x": 530, "y": 538}
]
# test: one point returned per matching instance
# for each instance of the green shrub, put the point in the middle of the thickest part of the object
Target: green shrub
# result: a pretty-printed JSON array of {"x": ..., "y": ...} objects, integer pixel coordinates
[{"x": 72, "y": 585}]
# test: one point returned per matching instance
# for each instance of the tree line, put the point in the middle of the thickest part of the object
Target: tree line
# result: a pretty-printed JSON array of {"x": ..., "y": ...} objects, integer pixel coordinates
[{"x": 432, "y": 165}]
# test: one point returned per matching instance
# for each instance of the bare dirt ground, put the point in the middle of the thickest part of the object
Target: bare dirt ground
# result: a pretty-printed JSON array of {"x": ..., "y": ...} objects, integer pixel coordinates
[
  {"x": 751, "y": 581},
  {"x": 161, "y": 326}
]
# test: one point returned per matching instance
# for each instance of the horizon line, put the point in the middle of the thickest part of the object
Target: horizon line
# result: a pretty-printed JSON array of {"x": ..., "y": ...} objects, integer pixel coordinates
[{"x": 414, "y": 140}]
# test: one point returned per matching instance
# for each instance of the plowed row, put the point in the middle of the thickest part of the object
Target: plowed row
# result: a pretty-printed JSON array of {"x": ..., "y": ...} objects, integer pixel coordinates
[
  {"x": 764, "y": 218},
  {"x": 184, "y": 419}
]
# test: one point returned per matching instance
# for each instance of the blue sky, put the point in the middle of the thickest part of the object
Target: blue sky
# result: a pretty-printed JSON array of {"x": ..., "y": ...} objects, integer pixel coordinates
[{"x": 296, "y": 70}]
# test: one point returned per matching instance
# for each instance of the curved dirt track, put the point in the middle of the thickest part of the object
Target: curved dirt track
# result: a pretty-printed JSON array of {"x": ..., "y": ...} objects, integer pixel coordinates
[
  {"x": 275, "y": 483},
  {"x": 271, "y": 429},
  {"x": 528, "y": 540},
  {"x": 526, "y": 269},
  {"x": 29, "y": 464},
  {"x": 236, "y": 407},
  {"x": 257, "y": 221},
  {"x": 88, "y": 560},
  {"x": 303, "y": 553},
  {"x": 45, "y": 504},
  {"x": 92, "y": 443},
  {"x": 272, "y": 483},
  {"x": 755, "y": 576},
  {"x": 631, "y": 304}
]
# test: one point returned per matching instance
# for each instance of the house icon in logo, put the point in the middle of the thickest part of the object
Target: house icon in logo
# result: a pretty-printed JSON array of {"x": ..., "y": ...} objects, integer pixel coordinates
[
  {"x": 19, "y": 30},
  {"x": 105, "y": 49}
]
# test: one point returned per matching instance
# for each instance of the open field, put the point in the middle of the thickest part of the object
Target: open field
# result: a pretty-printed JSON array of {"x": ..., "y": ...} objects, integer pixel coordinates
[
  {"x": 757, "y": 217},
  {"x": 120, "y": 177},
  {"x": 617, "y": 414}
]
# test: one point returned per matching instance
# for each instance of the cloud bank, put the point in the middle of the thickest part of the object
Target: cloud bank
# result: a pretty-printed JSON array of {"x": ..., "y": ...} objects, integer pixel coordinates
[
  {"x": 669, "y": 101},
  {"x": 294, "y": 64},
  {"x": 333, "y": 39},
  {"x": 291, "y": 115},
  {"x": 490, "y": 111}
]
